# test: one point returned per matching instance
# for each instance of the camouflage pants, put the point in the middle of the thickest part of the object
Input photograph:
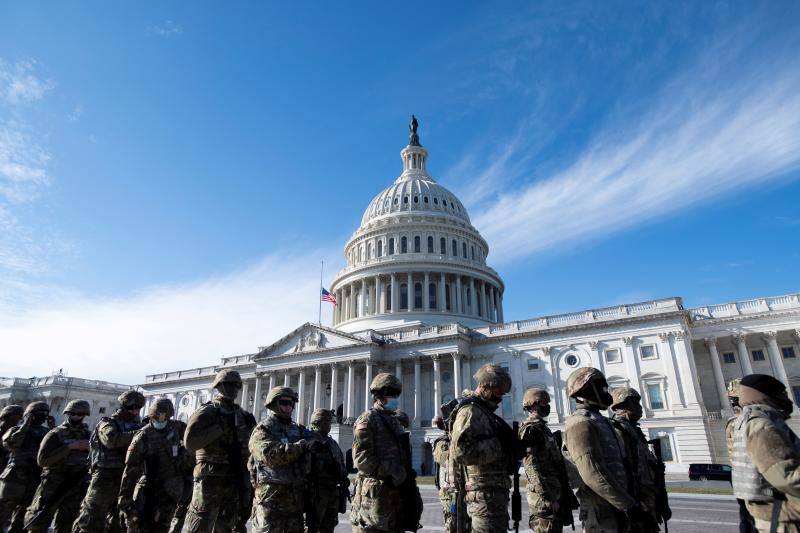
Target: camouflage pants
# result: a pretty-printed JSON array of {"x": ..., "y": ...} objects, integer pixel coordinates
[
  {"x": 215, "y": 505},
  {"x": 155, "y": 520},
  {"x": 278, "y": 509},
  {"x": 17, "y": 487},
  {"x": 488, "y": 510},
  {"x": 376, "y": 506},
  {"x": 181, "y": 509},
  {"x": 601, "y": 519},
  {"x": 542, "y": 519},
  {"x": 448, "y": 516},
  {"x": 57, "y": 500},
  {"x": 99, "y": 506},
  {"x": 327, "y": 509},
  {"x": 245, "y": 504}
]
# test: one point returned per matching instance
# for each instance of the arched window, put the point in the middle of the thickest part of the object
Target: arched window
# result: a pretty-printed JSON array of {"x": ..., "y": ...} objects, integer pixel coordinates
[
  {"x": 403, "y": 245},
  {"x": 391, "y": 246},
  {"x": 388, "y": 298},
  {"x": 473, "y": 253},
  {"x": 417, "y": 244},
  {"x": 455, "y": 248},
  {"x": 431, "y": 296},
  {"x": 430, "y": 244},
  {"x": 464, "y": 249},
  {"x": 418, "y": 296},
  {"x": 447, "y": 296},
  {"x": 443, "y": 246},
  {"x": 380, "y": 248},
  {"x": 469, "y": 299},
  {"x": 403, "y": 296},
  {"x": 478, "y": 303}
]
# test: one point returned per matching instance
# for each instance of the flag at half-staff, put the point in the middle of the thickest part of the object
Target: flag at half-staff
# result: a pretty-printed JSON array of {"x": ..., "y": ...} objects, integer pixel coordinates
[{"x": 328, "y": 297}]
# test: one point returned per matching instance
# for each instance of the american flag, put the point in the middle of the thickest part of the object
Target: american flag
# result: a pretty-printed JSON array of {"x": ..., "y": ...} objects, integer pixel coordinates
[{"x": 328, "y": 297}]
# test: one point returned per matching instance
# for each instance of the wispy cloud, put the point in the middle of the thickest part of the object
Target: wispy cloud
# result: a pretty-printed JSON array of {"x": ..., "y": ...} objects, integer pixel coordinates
[
  {"x": 728, "y": 122},
  {"x": 19, "y": 83},
  {"x": 167, "y": 28},
  {"x": 166, "y": 327},
  {"x": 76, "y": 113}
]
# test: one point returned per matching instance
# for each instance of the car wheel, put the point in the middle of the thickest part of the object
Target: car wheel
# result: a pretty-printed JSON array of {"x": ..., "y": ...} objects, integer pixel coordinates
[{"x": 703, "y": 478}]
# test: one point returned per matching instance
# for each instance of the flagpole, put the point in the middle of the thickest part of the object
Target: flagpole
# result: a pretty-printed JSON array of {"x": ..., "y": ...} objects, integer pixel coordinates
[{"x": 319, "y": 293}]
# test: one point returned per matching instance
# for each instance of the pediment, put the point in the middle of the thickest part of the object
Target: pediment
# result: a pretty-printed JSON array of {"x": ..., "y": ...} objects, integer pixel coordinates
[{"x": 311, "y": 338}]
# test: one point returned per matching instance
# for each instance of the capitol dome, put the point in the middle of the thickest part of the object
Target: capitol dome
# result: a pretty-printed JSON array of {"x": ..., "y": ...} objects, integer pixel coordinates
[{"x": 416, "y": 258}]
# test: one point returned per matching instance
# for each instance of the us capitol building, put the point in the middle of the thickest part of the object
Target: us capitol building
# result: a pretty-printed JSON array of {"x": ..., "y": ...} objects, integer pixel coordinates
[{"x": 418, "y": 299}]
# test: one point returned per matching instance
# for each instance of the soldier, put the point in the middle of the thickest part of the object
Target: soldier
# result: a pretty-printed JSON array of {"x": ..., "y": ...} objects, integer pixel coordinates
[
  {"x": 444, "y": 477},
  {"x": 218, "y": 434},
  {"x": 9, "y": 417},
  {"x": 63, "y": 456},
  {"x": 329, "y": 478},
  {"x": 109, "y": 444},
  {"x": 381, "y": 460},
  {"x": 154, "y": 464},
  {"x": 549, "y": 494},
  {"x": 21, "y": 476},
  {"x": 281, "y": 461},
  {"x": 179, "y": 517},
  {"x": 746, "y": 523},
  {"x": 643, "y": 467},
  {"x": 766, "y": 455},
  {"x": 483, "y": 446},
  {"x": 598, "y": 455}
]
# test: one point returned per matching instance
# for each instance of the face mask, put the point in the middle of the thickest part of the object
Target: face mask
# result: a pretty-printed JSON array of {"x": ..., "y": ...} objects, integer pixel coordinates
[
  {"x": 392, "y": 404},
  {"x": 75, "y": 420},
  {"x": 158, "y": 424},
  {"x": 228, "y": 390},
  {"x": 39, "y": 418},
  {"x": 543, "y": 410}
]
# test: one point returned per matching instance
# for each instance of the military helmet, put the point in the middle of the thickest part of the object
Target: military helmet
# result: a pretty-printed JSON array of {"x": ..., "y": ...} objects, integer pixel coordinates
[
  {"x": 491, "y": 375},
  {"x": 78, "y": 408},
  {"x": 131, "y": 399},
  {"x": 622, "y": 394},
  {"x": 321, "y": 415},
  {"x": 387, "y": 384},
  {"x": 733, "y": 388},
  {"x": 277, "y": 392},
  {"x": 226, "y": 375},
  {"x": 532, "y": 396},
  {"x": 37, "y": 407},
  {"x": 162, "y": 405},
  {"x": 580, "y": 378},
  {"x": 10, "y": 411}
]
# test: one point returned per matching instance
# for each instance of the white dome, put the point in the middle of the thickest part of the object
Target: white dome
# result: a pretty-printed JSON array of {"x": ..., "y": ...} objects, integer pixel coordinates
[{"x": 414, "y": 195}]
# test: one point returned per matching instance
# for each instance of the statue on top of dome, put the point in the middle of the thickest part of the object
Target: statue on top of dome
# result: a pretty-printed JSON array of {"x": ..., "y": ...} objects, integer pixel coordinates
[{"x": 412, "y": 127}]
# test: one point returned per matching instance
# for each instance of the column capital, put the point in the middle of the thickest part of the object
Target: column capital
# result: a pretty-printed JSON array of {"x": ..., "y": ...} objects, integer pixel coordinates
[
  {"x": 796, "y": 334},
  {"x": 334, "y": 365},
  {"x": 627, "y": 340},
  {"x": 435, "y": 357},
  {"x": 739, "y": 336},
  {"x": 594, "y": 345},
  {"x": 664, "y": 335},
  {"x": 547, "y": 351},
  {"x": 710, "y": 341},
  {"x": 769, "y": 336},
  {"x": 680, "y": 333},
  {"x": 456, "y": 356}
]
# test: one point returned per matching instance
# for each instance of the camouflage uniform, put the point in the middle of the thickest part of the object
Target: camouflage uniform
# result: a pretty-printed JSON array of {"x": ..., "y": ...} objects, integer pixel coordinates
[
  {"x": 281, "y": 465},
  {"x": 331, "y": 475},
  {"x": 218, "y": 434},
  {"x": 152, "y": 483},
  {"x": 444, "y": 482},
  {"x": 482, "y": 449},
  {"x": 109, "y": 441},
  {"x": 9, "y": 417},
  {"x": 65, "y": 475},
  {"x": 766, "y": 453},
  {"x": 597, "y": 453},
  {"x": 543, "y": 465},
  {"x": 188, "y": 464},
  {"x": 746, "y": 522},
  {"x": 22, "y": 474},
  {"x": 381, "y": 464}
]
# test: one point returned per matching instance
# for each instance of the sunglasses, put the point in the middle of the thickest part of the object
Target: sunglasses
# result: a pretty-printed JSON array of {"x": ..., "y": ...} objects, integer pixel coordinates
[{"x": 286, "y": 403}]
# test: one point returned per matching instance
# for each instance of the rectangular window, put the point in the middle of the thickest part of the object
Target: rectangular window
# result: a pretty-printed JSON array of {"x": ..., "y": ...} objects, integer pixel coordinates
[
  {"x": 728, "y": 358},
  {"x": 533, "y": 364},
  {"x": 666, "y": 449},
  {"x": 758, "y": 355},
  {"x": 648, "y": 351},
  {"x": 102, "y": 410},
  {"x": 613, "y": 355},
  {"x": 654, "y": 394},
  {"x": 796, "y": 393},
  {"x": 788, "y": 352},
  {"x": 505, "y": 406}
]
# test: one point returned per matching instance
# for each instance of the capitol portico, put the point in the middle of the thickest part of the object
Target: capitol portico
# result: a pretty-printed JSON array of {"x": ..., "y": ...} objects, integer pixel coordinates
[{"x": 417, "y": 298}]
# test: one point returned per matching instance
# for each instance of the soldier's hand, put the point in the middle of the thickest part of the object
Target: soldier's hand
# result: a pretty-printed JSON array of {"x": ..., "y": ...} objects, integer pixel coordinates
[{"x": 302, "y": 443}]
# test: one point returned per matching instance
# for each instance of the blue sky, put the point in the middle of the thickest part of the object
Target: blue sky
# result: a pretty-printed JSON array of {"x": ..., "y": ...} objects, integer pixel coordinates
[{"x": 171, "y": 177}]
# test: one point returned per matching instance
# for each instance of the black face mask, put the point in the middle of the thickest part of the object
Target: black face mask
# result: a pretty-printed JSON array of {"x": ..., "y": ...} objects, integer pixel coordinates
[
  {"x": 75, "y": 420},
  {"x": 542, "y": 410},
  {"x": 39, "y": 418},
  {"x": 228, "y": 390}
]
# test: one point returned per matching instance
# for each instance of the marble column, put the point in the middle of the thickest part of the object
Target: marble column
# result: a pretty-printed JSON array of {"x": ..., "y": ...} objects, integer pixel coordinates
[
  {"x": 456, "y": 375},
  {"x": 631, "y": 366},
  {"x": 426, "y": 300},
  {"x": 437, "y": 384},
  {"x": 398, "y": 373},
  {"x": 443, "y": 297},
  {"x": 674, "y": 384},
  {"x": 457, "y": 303},
  {"x": 499, "y": 307},
  {"x": 473, "y": 309},
  {"x": 770, "y": 338},
  {"x": 484, "y": 301},
  {"x": 744, "y": 356},
  {"x": 271, "y": 380},
  {"x": 301, "y": 393},
  {"x": 410, "y": 291},
  {"x": 363, "y": 297},
  {"x": 245, "y": 395},
  {"x": 492, "y": 305},
  {"x": 719, "y": 379},
  {"x": 417, "y": 393},
  {"x": 378, "y": 294},
  {"x": 257, "y": 398},
  {"x": 367, "y": 383},
  {"x": 286, "y": 379},
  {"x": 317, "y": 387},
  {"x": 350, "y": 385},
  {"x": 334, "y": 386},
  {"x": 394, "y": 294}
]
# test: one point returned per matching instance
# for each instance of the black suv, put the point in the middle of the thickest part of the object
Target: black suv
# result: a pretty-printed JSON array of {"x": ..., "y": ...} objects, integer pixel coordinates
[{"x": 704, "y": 472}]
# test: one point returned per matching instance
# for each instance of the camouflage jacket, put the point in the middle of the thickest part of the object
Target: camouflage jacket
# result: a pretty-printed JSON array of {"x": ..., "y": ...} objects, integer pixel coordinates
[
  {"x": 330, "y": 466},
  {"x": 597, "y": 453},
  {"x": 214, "y": 432},
  {"x": 110, "y": 441},
  {"x": 155, "y": 456},
  {"x": 542, "y": 460},
  {"x": 441, "y": 456},
  {"x": 377, "y": 452},
  {"x": 22, "y": 443},
  {"x": 729, "y": 437},
  {"x": 54, "y": 454},
  {"x": 277, "y": 457},
  {"x": 640, "y": 458},
  {"x": 476, "y": 446}
]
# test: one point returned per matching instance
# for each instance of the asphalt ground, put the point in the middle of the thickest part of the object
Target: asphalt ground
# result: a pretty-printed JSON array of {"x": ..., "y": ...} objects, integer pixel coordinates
[{"x": 693, "y": 513}]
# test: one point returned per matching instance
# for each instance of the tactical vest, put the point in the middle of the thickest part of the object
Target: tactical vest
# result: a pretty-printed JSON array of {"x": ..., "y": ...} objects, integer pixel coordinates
[
  {"x": 441, "y": 446},
  {"x": 330, "y": 464},
  {"x": 25, "y": 454},
  {"x": 237, "y": 429},
  {"x": 103, "y": 456},
  {"x": 643, "y": 457},
  {"x": 613, "y": 449},
  {"x": 164, "y": 450},
  {"x": 67, "y": 434},
  {"x": 748, "y": 483},
  {"x": 285, "y": 431},
  {"x": 546, "y": 460}
]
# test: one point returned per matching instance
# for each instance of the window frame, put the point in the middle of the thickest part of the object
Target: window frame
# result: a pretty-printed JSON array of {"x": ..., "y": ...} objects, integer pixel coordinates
[
  {"x": 783, "y": 350},
  {"x": 617, "y": 360},
  {"x": 648, "y": 345},
  {"x": 753, "y": 355}
]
